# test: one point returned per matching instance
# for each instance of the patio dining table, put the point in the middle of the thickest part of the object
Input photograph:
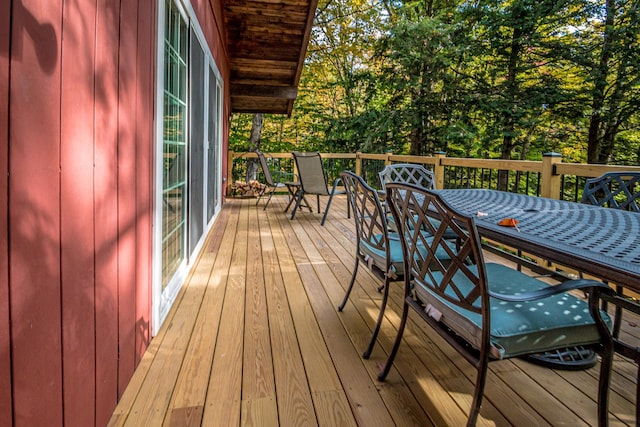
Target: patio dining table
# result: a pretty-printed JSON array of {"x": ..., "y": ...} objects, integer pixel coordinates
[{"x": 598, "y": 241}]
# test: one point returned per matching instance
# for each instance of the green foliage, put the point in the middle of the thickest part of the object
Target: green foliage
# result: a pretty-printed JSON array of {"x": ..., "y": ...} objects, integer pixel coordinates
[{"x": 494, "y": 79}]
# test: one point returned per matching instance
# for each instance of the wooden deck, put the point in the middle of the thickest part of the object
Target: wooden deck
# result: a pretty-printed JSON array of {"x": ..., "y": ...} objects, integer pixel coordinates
[{"x": 255, "y": 339}]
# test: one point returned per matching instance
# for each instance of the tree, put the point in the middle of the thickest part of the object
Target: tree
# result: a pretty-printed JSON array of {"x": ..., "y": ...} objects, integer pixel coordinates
[
  {"x": 489, "y": 78},
  {"x": 254, "y": 145},
  {"x": 615, "y": 77}
]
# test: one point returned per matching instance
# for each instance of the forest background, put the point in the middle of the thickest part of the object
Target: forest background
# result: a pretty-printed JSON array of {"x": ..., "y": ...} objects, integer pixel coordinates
[{"x": 483, "y": 79}]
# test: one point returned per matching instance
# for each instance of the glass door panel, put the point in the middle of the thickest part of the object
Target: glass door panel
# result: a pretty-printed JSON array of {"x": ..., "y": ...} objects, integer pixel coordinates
[{"x": 174, "y": 142}]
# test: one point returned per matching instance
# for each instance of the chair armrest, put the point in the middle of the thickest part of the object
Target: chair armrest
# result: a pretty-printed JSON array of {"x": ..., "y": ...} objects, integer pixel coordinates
[
  {"x": 569, "y": 285},
  {"x": 335, "y": 185}
]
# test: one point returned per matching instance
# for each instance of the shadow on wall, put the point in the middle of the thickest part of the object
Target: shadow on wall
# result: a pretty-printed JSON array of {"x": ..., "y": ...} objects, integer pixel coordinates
[{"x": 25, "y": 24}]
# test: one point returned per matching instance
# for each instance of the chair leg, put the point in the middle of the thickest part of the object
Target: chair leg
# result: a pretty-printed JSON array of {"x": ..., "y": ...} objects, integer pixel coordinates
[
  {"x": 479, "y": 391},
  {"x": 617, "y": 320},
  {"x": 638, "y": 397},
  {"x": 269, "y": 198},
  {"x": 376, "y": 330},
  {"x": 260, "y": 195},
  {"x": 353, "y": 280},
  {"x": 292, "y": 199},
  {"x": 326, "y": 210},
  {"x": 603, "y": 387},
  {"x": 298, "y": 200},
  {"x": 403, "y": 322}
]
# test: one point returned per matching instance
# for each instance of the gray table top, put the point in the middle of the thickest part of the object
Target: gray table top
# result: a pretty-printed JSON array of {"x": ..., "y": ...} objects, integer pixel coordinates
[{"x": 600, "y": 241}]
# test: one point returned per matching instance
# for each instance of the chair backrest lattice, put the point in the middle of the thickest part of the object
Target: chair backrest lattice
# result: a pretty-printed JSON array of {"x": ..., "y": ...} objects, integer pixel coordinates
[
  {"x": 618, "y": 190},
  {"x": 453, "y": 278},
  {"x": 367, "y": 210},
  {"x": 311, "y": 173},
  {"x": 408, "y": 173}
]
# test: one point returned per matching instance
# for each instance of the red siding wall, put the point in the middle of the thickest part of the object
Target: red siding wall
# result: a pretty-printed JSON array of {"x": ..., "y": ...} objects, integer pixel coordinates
[
  {"x": 77, "y": 88},
  {"x": 5, "y": 360},
  {"x": 79, "y": 205}
]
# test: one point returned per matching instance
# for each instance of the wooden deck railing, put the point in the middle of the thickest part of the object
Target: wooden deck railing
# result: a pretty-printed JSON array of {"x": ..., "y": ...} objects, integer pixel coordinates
[{"x": 547, "y": 178}]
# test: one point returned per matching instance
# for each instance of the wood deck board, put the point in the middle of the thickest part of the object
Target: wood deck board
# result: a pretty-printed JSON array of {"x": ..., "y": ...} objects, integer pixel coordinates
[
  {"x": 226, "y": 372},
  {"x": 187, "y": 404},
  {"x": 255, "y": 339},
  {"x": 295, "y": 405}
]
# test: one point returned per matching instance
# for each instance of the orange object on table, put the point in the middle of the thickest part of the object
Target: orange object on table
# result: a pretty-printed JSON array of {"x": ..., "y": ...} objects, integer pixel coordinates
[{"x": 509, "y": 222}]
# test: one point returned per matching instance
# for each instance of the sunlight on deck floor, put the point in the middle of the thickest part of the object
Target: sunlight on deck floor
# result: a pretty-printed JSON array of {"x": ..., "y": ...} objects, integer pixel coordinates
[{"x": 255, "y": 339}]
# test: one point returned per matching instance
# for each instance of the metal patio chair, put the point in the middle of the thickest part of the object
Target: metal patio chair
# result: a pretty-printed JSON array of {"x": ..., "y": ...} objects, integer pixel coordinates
[
  {"x": 270, "y": 181},
  {"x": 373, "y": 244},
  {"x": 619, "y": 190},
  {"x": 312, "y": 181},
  {"x": 409, "y": 174},
  {"x": 615, "y": 190},
  {"x": 488, "y": 311},
  {"x": 376, "y": 246}
]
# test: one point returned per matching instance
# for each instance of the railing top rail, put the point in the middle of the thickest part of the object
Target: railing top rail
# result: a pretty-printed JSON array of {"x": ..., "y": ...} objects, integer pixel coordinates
[
  {"x": 515, "y": 165},
  {"x": 590, "y": 170}
]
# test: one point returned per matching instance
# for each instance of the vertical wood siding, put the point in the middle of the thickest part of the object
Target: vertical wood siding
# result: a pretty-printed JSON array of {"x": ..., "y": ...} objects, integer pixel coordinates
[
  {"x": 34, "y": 213},
  {"x": 77, "y": 99},
  {"x": 5, "y": 360},
  {"x": 76, "y": 140},
  {"x": 77, "y": 241},
  {"x": 106, "y": 197}
]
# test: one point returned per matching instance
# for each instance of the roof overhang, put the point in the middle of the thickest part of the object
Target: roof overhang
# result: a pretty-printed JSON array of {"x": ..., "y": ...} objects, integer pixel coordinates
[{"x": 267, "y": 42}]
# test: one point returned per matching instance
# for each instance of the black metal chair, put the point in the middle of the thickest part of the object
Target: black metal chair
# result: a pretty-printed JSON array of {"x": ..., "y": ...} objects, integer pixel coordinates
[
  {"x": 615, "y": 190},
  {"x": 618, "y": 190},
  {"x": 376, "y": 246},
  {"x": 408, "y": 173},
  {"x": 373, "y": 244},
  {"x": 270, "y": 181},
  {"x": 488, "y": 311},
  {"x": 312, "y": 181}
]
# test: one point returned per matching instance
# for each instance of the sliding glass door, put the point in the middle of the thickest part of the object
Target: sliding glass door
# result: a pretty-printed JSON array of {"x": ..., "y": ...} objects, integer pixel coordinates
[{"x": 189, "y": 147}]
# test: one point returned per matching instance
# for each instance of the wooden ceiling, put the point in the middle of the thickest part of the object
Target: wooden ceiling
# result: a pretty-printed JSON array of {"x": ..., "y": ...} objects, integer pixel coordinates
[{"x": 267, "y": 42}]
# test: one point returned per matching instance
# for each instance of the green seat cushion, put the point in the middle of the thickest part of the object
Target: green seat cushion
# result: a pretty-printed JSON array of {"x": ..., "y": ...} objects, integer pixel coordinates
[
  {"x": 517, "y": 328},
  {"x": 379, "y": 259}
]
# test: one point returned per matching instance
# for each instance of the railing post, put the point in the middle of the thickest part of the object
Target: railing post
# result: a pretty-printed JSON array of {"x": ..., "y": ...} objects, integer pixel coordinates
[
  {"x": 231, "y": 155},
  {"x": 358, "y": 163},
  {"x": 550, "y": 187},
  {"x": 438, "y": 169},
  {"x": 387, "y": 159}
]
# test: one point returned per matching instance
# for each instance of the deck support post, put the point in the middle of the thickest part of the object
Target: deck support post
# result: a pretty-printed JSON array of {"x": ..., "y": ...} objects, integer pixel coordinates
[{"x": 550, "y": 187}]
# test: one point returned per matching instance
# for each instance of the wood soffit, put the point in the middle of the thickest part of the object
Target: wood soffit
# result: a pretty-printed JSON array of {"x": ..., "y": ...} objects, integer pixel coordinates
[{"x": 267, "y": 41}]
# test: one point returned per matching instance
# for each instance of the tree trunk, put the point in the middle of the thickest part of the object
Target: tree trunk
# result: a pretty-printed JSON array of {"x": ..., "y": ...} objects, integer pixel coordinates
[
  {"x": 254, "y": 145},
  {"x": 508, "y": 124},
  {"x": 599, "y": 74}
]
